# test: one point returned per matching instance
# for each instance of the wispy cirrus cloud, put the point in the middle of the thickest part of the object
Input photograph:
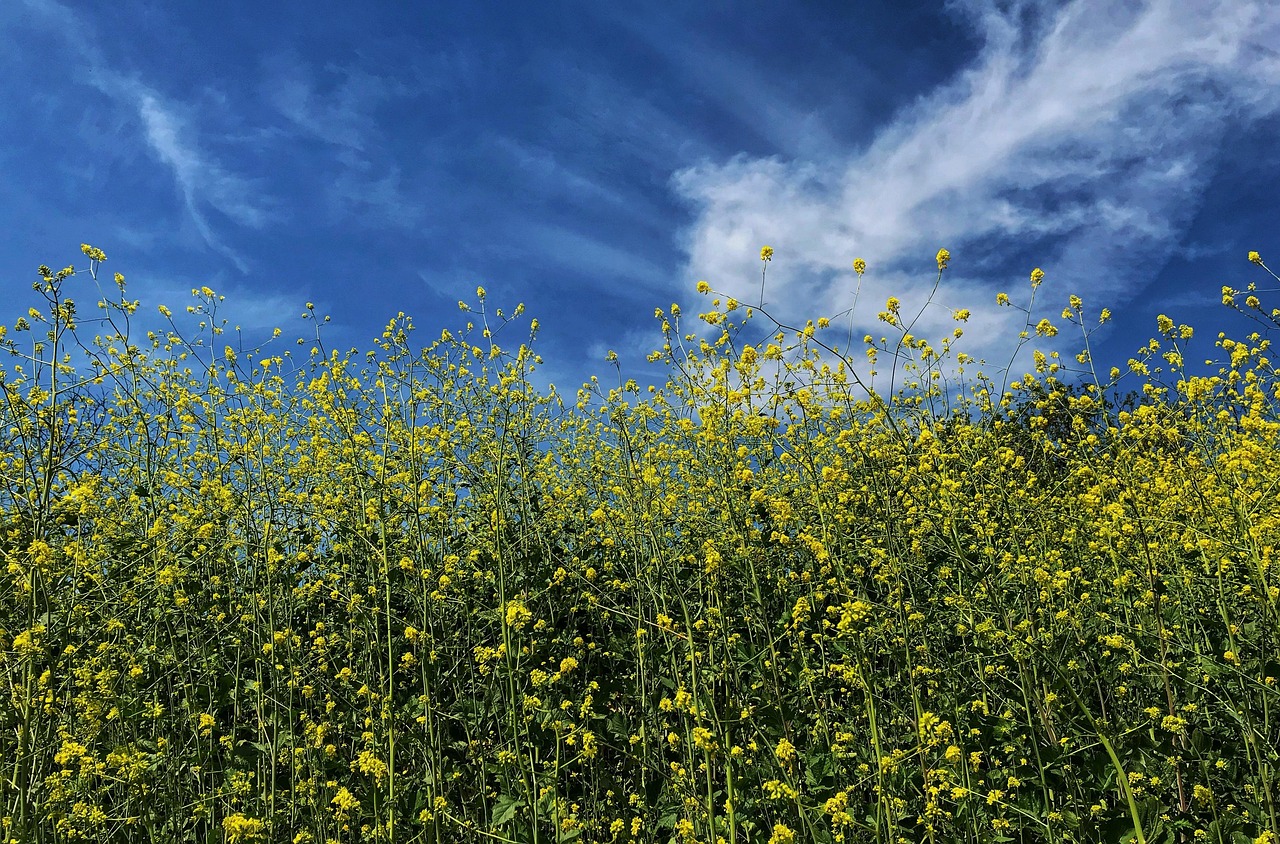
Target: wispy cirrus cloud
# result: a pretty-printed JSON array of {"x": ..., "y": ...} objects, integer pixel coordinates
[
  {"x": 341, "y": 114},
  {"x": 173, "y": 131},
  {"x": 202, "y": 181},
  {"x": 1082, "y": 133},
  {"x": 341, "y": 106}
]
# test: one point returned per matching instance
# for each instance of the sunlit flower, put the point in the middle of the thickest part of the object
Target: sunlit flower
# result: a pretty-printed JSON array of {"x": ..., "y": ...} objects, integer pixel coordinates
[
  {"x": 240, "y": 828},
  {"x": 782, "y": 834}
]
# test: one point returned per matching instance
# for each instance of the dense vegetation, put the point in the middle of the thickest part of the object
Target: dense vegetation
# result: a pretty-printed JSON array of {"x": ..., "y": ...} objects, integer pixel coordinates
[{"x": 407, "y": 596}]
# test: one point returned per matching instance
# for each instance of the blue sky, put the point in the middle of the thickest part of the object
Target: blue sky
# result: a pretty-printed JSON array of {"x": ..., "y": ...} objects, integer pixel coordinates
[{"x": 595, "y": 160}]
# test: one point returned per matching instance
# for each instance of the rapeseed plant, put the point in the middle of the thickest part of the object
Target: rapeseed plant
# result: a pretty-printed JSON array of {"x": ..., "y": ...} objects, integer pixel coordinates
[{"x": 405, "y": 596}]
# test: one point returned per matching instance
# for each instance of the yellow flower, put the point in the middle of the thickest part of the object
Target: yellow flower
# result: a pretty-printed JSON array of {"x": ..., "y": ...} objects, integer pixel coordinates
[
  {"x": 70, "y": 752},
  {"x": 239, "y": 828},
  {"x": 1255, "y": 258},
  {"x": 766, "y": 253},
  {"x": 859, "y": 266},
  {"x": 1037, "y": 276},
  {"x": 1002, "y": 298},
  {"x": 943, "y": 257},
  {"x": 782, "y": 835},
  {"x": 786, "y": 753},
  {"x": 345, "y": 800},
  {"x": 370, "y": 765},
  {"x": 518, "y": 615},
  {"x": 28, "y": 641},
  {"x": 704, "y": 288}
]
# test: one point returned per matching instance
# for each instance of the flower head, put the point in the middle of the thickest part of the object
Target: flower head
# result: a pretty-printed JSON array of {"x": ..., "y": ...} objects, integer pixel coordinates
[
  {"x": 1255, "y": 258},
  {"x": 240, "y": 828},
  {"x": 766, "y": 253},
  {"x": 782, "y": 834},
  {"x": 786, "y": 753},
  {"x": 943, "y": 257},
  {"x": 859, "y": 266}
]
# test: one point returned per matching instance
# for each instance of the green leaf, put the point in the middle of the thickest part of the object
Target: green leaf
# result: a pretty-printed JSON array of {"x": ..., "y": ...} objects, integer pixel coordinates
[
  {"x": 505, "y": 808},
  {"x": 1119, "y": 830}
]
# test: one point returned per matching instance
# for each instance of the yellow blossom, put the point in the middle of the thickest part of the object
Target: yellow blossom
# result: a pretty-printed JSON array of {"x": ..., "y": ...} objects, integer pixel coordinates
[
  {"x": 240, "y": 828},
  {"x": 782, "y": 834}
]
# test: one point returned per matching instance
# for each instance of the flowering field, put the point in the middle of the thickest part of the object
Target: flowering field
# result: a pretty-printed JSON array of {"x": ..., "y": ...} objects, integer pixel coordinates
[{"x": 288, "y": 593}]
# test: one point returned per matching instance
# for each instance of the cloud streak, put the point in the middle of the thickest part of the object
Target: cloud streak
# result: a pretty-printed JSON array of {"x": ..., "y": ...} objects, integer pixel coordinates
[
  {"x": 172, "y": 134},
  {"x": 1081, "y": 136},
  {"x": 200, "y": 179},
  {"x": 345, "y": 115}
]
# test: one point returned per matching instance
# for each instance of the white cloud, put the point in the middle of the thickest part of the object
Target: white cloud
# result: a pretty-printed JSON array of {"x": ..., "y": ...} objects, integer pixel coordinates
[
  {"x": 200, "y": 179},
  {"x": 1082, "y": 133},
  {"x": 367, "y": 185},
  {"x": 342, "y": 115},
  {"x": 172, "y": 131}
]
